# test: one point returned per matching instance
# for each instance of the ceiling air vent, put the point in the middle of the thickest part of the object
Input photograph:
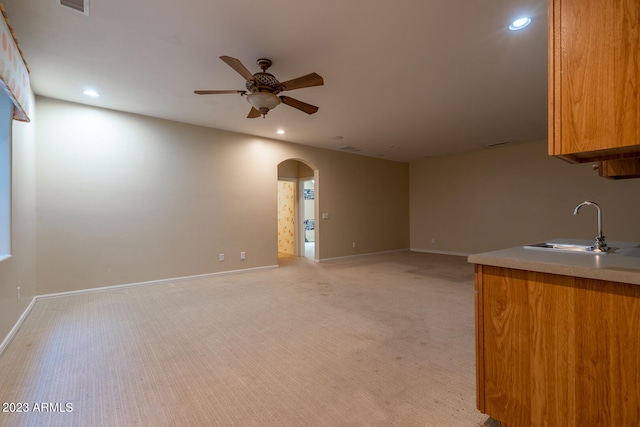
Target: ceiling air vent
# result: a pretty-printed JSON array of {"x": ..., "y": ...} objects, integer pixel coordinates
[{"x": 81, "y": 6}]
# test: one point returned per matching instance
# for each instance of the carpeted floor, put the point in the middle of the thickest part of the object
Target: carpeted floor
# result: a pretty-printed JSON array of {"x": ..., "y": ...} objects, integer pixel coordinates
[{"x": 378, "y": 341}]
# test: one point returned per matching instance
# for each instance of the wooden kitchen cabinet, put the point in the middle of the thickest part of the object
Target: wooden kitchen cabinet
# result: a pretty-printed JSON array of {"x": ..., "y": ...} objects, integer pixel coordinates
[
  {"x": 557, "y": 350},
  {"x": 620, "y": 168},
  {"x": 594, "y": 79}
]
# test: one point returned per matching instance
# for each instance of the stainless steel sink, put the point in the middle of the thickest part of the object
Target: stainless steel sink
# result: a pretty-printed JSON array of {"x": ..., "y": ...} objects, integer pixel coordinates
[{"x": 567, "y": 247}]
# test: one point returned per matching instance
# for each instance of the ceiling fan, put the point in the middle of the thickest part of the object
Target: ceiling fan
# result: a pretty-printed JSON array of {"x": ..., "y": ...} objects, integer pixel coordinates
[{"x": 263, "y": 88}]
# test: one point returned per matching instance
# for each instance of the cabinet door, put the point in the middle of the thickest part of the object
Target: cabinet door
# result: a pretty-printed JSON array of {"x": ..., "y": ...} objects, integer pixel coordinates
[
  {"x": 557, "y": 350},
  {"x": 594, "y": 68},
  {"x": 620, "y": 169}
]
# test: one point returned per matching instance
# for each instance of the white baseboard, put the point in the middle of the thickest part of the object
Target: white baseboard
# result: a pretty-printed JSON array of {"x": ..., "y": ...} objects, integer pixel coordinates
[
  {"x": 24, "y": 315},
  {"x": 13, "y": 331},
  {"x": 429, "y": 251},
  {"x": 156, "y": 282},
  {"x": 368, "y": 254},
  {"x": 15, "y": 328}
]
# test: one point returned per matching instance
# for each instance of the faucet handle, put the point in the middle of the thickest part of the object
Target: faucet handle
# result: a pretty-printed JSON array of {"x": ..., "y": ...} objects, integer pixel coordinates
[{"x": 600, "y": 245}]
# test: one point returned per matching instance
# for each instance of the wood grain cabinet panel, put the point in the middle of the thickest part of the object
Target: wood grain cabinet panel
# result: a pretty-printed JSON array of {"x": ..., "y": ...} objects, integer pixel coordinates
[
  {"x": 620, "y": 169},
  {"x": 594, "y": 79},
  {"x": 557, "y": 350}
]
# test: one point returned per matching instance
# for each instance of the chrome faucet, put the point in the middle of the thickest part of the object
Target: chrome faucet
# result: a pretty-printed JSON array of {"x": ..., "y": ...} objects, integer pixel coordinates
[{"x": 600, "y": 245}]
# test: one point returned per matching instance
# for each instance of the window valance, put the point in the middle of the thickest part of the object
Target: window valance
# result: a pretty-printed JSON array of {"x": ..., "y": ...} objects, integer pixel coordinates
[{"x": 14, "y": 74}]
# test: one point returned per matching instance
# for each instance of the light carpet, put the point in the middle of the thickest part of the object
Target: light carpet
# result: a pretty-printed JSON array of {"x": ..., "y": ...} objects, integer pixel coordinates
[{"x": 375, "y": 341}]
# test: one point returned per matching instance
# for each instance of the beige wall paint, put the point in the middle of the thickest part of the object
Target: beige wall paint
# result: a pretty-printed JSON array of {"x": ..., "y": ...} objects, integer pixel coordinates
[
  {"x": 124, "y": 198},
  {"x": 19, "y": 270},
  {"x": 513, "y": 195},
  {"x": 294, "y": 169}
]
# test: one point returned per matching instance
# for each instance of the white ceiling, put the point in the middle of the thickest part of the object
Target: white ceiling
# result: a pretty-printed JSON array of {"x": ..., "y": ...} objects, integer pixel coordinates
[{"x": 403, "y": 80}]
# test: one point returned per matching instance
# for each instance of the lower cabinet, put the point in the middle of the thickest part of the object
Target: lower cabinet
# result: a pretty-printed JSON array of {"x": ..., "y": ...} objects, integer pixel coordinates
[{"x": 556, "y": 350}]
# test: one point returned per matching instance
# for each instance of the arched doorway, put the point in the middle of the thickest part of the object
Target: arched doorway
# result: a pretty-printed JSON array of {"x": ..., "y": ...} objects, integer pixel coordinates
[{"x": 297, "y": 210}]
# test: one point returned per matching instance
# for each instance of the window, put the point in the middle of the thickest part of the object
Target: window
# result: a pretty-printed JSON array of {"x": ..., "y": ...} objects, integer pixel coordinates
[{"x": 6, "y": 113}]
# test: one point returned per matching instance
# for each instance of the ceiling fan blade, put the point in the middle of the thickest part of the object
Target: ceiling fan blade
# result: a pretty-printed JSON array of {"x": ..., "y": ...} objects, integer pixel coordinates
[
  {"x": 309, "y": 80},
  {"x": 254, "y": 113},
  {"x": 237, "y": 65},
  {"x": 217, "y": 92},
  {"x": 302, "y": 106}
]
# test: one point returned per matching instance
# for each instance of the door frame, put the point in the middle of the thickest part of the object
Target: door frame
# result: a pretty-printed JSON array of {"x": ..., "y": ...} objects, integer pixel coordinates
[{"x": 298, "y": 251}]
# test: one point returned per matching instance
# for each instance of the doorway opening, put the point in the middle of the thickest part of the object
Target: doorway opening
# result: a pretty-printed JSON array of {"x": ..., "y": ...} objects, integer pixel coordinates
[
  {"x": 286, "y": 218},
  {"x": 308, "y": 216},
  {"x": 297, "y": 206}
]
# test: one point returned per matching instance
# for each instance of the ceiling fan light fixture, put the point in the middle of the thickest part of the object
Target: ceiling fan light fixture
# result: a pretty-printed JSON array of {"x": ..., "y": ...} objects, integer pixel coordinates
[
  {"x": 263, "y": 101},
  {"x": 263, "y": 89}
]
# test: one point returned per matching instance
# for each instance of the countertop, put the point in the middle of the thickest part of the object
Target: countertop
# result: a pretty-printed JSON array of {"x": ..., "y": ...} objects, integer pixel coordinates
[{"x": 621, "y": 265}]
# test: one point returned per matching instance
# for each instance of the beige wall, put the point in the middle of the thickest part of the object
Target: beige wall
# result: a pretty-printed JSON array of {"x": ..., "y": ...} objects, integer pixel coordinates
[
  {"x": 294, "y": 169},
  {"x": 19, "y": 270},
  {"x": 513, "y": 195},
  {"x": 125, "y": 198}
]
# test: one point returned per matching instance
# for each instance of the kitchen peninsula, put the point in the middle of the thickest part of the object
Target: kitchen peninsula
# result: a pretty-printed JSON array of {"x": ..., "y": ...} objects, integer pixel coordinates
[{"x": 558, "y": 336}]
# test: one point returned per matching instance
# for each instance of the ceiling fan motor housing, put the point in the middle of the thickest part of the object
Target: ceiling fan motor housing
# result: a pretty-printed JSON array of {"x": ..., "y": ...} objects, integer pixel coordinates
[
  {"x": 263, "y": 88},
  {"x": 263, "y": 82}
]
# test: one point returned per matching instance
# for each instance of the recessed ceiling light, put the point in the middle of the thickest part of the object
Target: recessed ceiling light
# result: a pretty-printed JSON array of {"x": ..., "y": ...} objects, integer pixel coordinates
[
  {"x": 92, "y": 93},
  {"x": 519, "y": 23},
  {"x": 280, "y": 132}
]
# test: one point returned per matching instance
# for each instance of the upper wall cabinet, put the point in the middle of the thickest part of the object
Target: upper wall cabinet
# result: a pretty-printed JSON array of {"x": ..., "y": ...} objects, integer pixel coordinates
[
  {"x": 594, "y": 79},
  {"x": 620, "y": 168}
]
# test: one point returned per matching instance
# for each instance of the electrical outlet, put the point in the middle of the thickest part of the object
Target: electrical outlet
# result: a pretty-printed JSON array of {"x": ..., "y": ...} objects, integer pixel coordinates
[
  {"x": 354, "y": 244},
  {"x": 243, "y": 255},
  {"x": 221, "y": 257},
  {"x": 18, "y": 293},
  {"x": 433, "y": 240}
]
